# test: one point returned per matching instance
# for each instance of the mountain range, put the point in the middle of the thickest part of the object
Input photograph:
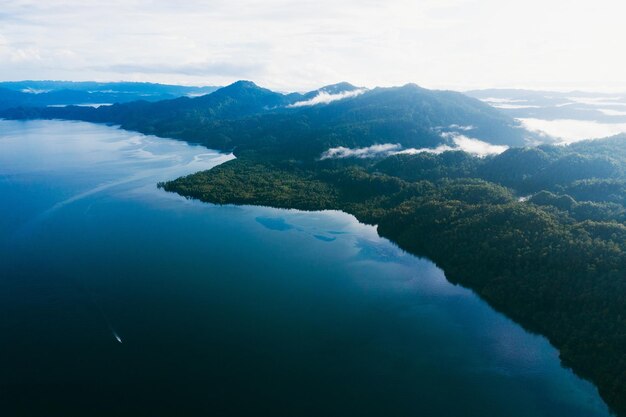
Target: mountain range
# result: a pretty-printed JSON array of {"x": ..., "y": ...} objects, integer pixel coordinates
[
  {"x": 60, "y": 93},
  {"x": 245, "y": 116},
  {"x": 554, "y": 105}
]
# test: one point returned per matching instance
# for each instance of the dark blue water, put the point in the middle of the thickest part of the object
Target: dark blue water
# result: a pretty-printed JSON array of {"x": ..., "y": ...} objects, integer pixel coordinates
[{"x": 117, "y": 298}]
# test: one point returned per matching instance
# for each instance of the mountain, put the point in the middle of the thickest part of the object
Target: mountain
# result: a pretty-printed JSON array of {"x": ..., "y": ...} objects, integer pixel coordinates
[
  {"x": 338, "y": 88},
  {"x": 552, "y": 105},
  {"x": 332, "y": 90},
  {"x": 57, "y": 93},
  {"x": 139, "y": 88},
  {"x": 244, "y": 116},
  {"x": 240, "y": 99}
]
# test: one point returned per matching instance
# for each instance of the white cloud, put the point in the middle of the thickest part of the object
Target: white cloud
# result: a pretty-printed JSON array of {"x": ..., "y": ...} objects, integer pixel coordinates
[
  {"x": 299, "y": 45},
  {"x": 508, "y": 103},
  {"x": 514, "y": 106},
  {"x": 461, "y": 143},
  {"x": 610, "y": 112},
  {"x": 373, "y": 151},
  {"x": 33, "y": 91},
  {"x": 477, "y": 147},
  {"x": 599, "y": 101},
  {"x": 439, "y": 149},
  {"x": 243, "y": 70},
  {"x": 569, "y": 131},
  {"x": 460, "y": 127},
  {"x": 324, "y": 98},
  {"x": 464, "y": 143},
  {"x": 503, "y": 100}
]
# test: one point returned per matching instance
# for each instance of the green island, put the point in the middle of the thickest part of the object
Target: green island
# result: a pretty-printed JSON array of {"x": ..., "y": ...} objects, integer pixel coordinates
[{"x": 538, "y": 232}]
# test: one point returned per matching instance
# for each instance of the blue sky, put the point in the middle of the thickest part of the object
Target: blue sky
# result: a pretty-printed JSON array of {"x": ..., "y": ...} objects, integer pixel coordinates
[{"x": 298, "y": 45}]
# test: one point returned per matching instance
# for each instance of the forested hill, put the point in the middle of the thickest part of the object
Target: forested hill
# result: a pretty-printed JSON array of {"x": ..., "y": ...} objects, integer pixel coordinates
[
  {"x": 540, "y": 233},
  {"x": 244, "y": 116}
]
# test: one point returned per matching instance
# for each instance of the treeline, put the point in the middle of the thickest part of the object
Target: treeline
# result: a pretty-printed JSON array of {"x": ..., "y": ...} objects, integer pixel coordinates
[{"x": 523, "y": 169}]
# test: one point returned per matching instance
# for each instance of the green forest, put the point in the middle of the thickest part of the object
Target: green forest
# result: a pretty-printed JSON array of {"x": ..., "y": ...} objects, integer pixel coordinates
[{"x": 538, "y": 232}]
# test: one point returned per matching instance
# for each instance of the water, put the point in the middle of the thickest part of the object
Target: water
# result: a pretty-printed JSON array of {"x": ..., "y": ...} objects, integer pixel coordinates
[{"x": 117, "y": 298}]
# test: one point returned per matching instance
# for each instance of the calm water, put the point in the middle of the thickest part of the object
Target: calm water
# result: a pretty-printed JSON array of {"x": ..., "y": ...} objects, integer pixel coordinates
[{"x": 231, "y": 310}]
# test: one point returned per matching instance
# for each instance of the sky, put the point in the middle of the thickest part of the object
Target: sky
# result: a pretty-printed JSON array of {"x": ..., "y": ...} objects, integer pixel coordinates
[{"x": 302, "y": 45}]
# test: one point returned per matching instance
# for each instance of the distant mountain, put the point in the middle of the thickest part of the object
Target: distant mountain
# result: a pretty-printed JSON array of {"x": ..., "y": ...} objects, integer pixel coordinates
[
  {"x": 246, "y": 116},
  {"x": 333, "y": 89},
  {"x": 551, "y": 105},
  {"x": 58, "y": 93},
  {"x": 240, "y": 99},
  {"x": 338, "y": 88},
  {"x": 147, "y": 89}
]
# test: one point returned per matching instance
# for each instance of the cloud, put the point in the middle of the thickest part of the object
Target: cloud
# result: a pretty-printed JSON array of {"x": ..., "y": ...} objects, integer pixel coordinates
[
  {"x": 300, "y": 45},
  {"x": 508, "y": 103},
  {"x": 477, "y": 147},
  {"x": 503, "y": 100},
  {"x": 610, "y": 112},
  {"x": 439, "y": 149},
  {"x": 599, "y": 101},
  {"x": 324, "y": 98},
  {"x": 461, "y": 143},
  {"x": 33, "y": 91},
  {"x": 569, "y": 131},
  {"x": 293, "y": 45},
  {"x": 515, "y": 106},
  {"x": 374, "y": 151},
  {"x": 461, "y": 127},
  {"x": 195, "y": 69}
]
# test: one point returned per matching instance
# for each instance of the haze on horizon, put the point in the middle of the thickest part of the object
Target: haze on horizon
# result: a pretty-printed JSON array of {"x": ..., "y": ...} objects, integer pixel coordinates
[{"x": 300, "y": 45}]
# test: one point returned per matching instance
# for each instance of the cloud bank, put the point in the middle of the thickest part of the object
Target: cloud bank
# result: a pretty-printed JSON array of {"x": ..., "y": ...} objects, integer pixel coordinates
[
  {"x": 570, "y": 131},
  {"x": 299, "y": 45}
]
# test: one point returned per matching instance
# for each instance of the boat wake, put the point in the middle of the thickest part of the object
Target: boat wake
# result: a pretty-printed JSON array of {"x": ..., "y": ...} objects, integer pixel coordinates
[{"x": 105, "y": 318}]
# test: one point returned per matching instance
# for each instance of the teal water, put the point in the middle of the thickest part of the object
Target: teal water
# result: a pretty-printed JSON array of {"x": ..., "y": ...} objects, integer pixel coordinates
[{"x": 117, "y": 298}]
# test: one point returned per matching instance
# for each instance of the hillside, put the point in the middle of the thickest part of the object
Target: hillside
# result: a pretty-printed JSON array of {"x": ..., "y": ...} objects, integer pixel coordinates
[
  {"x": 244, "y": 116},
  {"x": 538, "y": 232}
]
